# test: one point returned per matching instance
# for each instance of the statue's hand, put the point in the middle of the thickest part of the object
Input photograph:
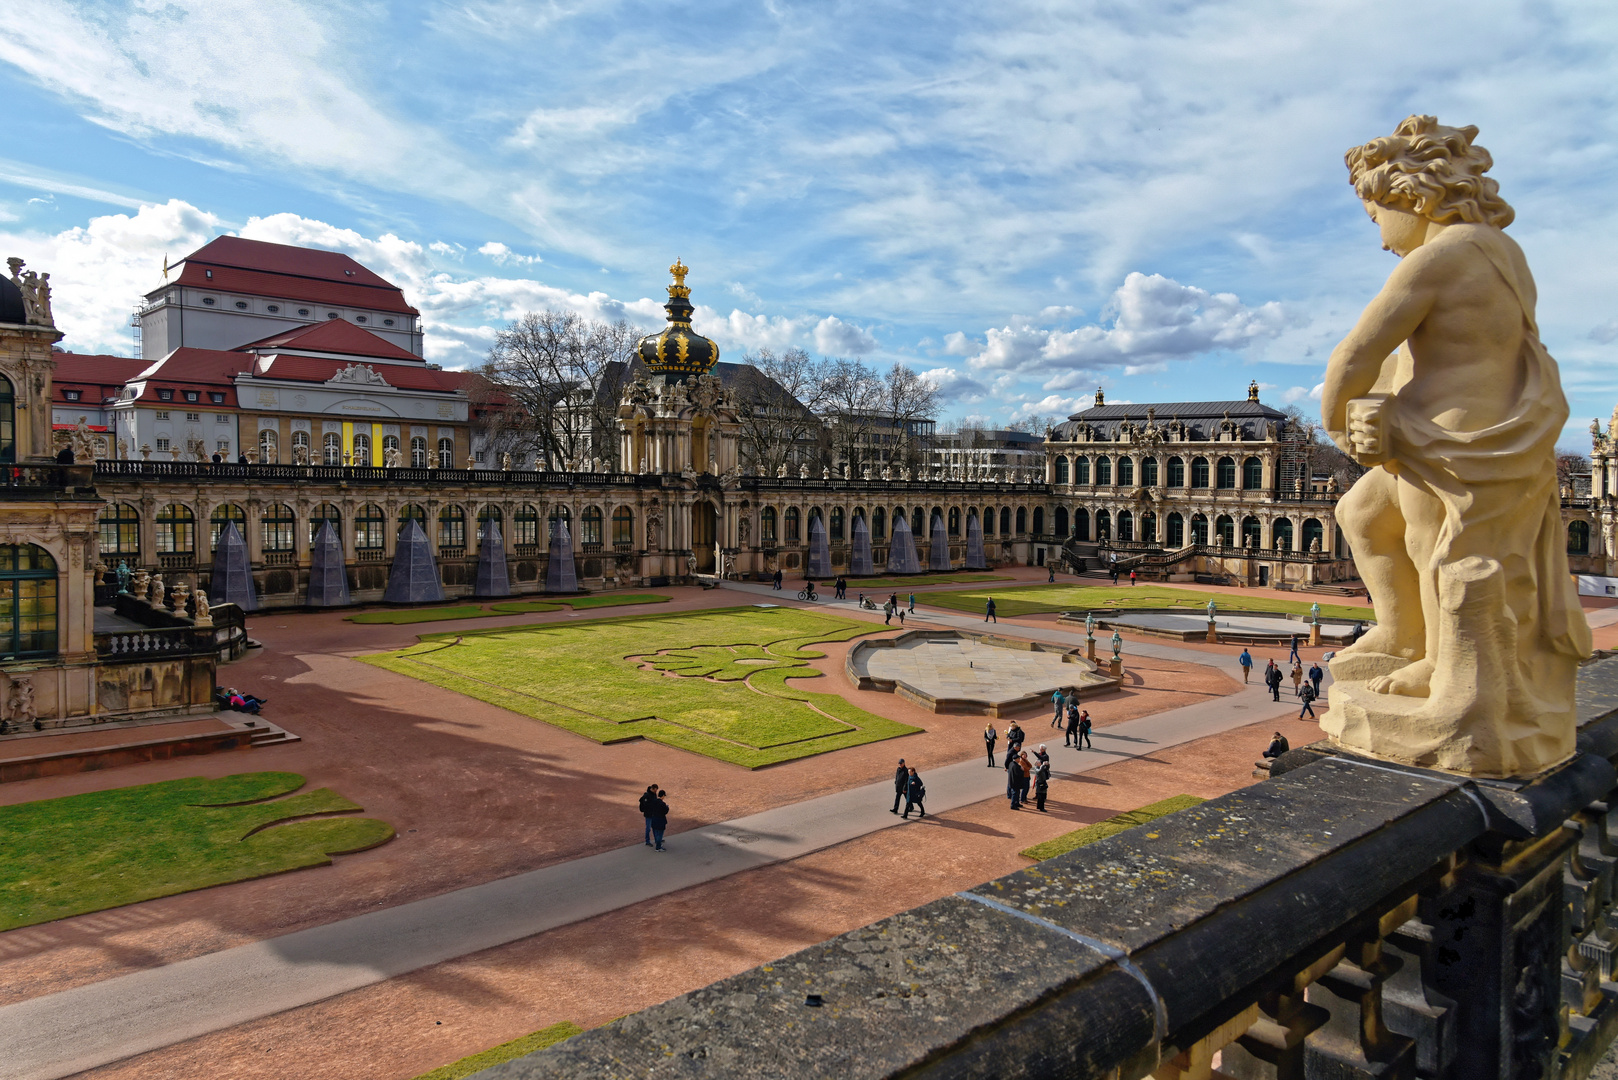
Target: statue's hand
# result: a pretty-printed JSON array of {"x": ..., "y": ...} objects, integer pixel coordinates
[{"x": 1367, "y": 434}]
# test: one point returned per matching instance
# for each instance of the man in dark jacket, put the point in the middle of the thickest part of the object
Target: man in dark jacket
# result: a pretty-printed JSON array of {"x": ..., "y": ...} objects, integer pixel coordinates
[
  {"x": 1014, "y": 738},
  {"x": 901, "y": 781},
  {"x": 647, "y": 798},
  {"x": 915, "y": 794},
  {"x": 1083, "y": 741},
  {"x": 660, "y": 818},
  {"x": 1014, "y": 781},
  {"x": 1042, "y": 785},
  {"x": 1278, "y": 746},
  {"x": 1273, "y": 677},
  {"x": 1072, "y": 735},
  {"x": 1306, "y": 693},
  {"x": 1315, "y": 675}
]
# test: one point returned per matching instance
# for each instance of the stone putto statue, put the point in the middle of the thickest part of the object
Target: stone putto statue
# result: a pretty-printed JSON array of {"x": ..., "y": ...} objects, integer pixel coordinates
[
  {"x": 20, "y": 707},
  {"x": 155, "y": 595},
  {"x": 391, "y": 457},
  {"x": 123, "y": 576},
  {"x": 1479, "y": 633},
  {"x": 204, "y": 613},
  {"x": 300, "y": 455}
]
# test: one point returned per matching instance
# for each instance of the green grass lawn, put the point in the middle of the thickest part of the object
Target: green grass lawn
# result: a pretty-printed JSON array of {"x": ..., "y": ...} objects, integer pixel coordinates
[
  {"x": 604, "y": 679},
  {"x": 1112, "y": 826},
  {"x": 402, "y": 616},
  {"x": 516, "y": 1048},
  {"x": 1042, "y": 599},
  {"x": 104, "y": 849}
]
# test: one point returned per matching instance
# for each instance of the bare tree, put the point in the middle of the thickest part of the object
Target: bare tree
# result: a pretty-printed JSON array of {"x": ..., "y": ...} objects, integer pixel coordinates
[
  {"x": 851, "y": 401},
  {"x": 1037, "y": 424},
  {"x": 776, "y": 404},
  {"x": 908, "y": 399}
]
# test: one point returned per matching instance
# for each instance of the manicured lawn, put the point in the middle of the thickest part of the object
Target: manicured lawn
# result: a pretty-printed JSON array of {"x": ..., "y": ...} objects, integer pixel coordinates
[
  {"x": 539, "y": 1040},
  {"x": 514, "y": 607},
  {"x": 1041, "y": 599},
  {"x": 104, "y": 849},
  {"x": 604, "y": 679},
  {"x": 1078, "y": 838}
]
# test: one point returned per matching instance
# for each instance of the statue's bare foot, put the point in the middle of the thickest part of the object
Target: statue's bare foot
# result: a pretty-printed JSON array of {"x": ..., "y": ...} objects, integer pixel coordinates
[
  {"x": 1412, "y": 680},
  {"x": 1379, "y": 639}
]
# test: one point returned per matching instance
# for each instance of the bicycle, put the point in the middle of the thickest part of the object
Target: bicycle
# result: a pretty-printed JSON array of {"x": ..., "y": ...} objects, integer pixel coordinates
[{"x": 808, "y": 594}]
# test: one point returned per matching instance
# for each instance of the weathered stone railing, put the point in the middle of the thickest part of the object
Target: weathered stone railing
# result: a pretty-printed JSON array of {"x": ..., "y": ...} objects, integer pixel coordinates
[
  {"x": 155, "y": 642},
  {"x": 1344, "y": 919}
]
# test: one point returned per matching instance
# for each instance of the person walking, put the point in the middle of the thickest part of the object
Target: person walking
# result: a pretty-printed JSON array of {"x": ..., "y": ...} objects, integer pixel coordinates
[
  {"x": 1084, "y": 731},
  {"x": 990, "y": 737},
  {"x": 647, "y": 798},
  {"x": 1052, "y": 569},
  {"x": 901, "y": 780},
  {"x": 840, "y": 589},
  {"x": 912, "y": 603},
  {"x": 887, "y": 613},
  {"x": 1042, "y": 785},
  {"x": 660, "y": 818},
  {"x": 901, "y": 614},
  {"x": 988, "y": 611},
  {"x": 1132, "y": 579},
  {"x": 1060, "y": 701},
  {"x": 1246, "y": 661},
  {"x": 1294, "y": 657},
  {"x": 1315, "y": 675},
  {"x": 1070, "y": 726},
  {"x": 1297, "y": 678},
  {"x": 893, "y": 598},
  {"x": 1306, "y": 694},
  {"x": 915, "y": 795},
  {"x": 777, "y": 580},
  {"x": 1014, "y": 780},
  {"x": 1272, "y": 677}
]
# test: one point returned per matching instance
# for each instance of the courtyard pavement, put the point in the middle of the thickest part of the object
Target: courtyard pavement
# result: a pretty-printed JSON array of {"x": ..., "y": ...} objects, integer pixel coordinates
[{"x": 62, "y": 1033}]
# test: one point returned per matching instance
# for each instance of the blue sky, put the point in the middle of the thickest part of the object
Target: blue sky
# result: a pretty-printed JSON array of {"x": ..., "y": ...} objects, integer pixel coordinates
[{"x": 1027, "y": 200}]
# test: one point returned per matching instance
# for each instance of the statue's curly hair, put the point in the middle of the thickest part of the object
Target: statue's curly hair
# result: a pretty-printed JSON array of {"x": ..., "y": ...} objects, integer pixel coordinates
[{"x": 1431, "y": 170}]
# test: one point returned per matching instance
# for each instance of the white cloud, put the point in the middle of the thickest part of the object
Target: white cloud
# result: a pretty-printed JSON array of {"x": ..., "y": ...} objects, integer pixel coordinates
[
  {"x": 838, "y": 338},
  {"x": 955, "y": 385},
  {"x": 1049, "y": 405},
  {"x": 504, "y": 256},
  {"x": 958, "y": 344},
  {"x": 1606, "y": 333}
]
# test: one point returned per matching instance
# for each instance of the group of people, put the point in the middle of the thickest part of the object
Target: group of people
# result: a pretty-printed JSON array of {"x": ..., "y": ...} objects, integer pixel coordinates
[
  {"x": 1023, "y": 772},
  {"x": 1307, "y": 692},
  {"x": 236, "y": 701},
  {"x": 1076, "y": 733},
  {"x": 907, "y": 785}
]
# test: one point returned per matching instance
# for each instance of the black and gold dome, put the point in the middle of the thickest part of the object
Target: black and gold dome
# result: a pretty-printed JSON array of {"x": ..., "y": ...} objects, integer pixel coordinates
[{"x": 679, "y": 352}]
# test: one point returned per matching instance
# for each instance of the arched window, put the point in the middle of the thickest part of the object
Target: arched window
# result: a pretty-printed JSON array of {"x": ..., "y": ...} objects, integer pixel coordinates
[
  {"x": 216, "y": 522},
  {"x": 1148, "y": 528},
  {"x": 452, "y": 527},
  {"x": 1103, "y": 470},
  {"x": 988, "y": 521},
  {"x": 1126, "y": 525},
  {"x": 918, "y": 524},
  {"x": 1061, "y": 468},
  {"x": 1148, "y": 472},
  {"x": 119, "y": 529},
  {"x": 320, "y": 515},
  {"x": 1175, "y": 538},
  {"x": 1103, "y": 525},
  {"x": 879, "y": 523},
  {"x": 1005, "y": 521},
  {"x": 413, "y": 512},
  {"x": 1126, "y": 472},
  {"x": 1199, "y": 472},
  {"x": 418, "y": 452},
  {"x": 389, "y": 442},
  {"x": 269, "y": 447},
  {"x": 836, "y": 523},
  {"x": 1199, "y": 529},
  {"x": 954, "y": 521},
  {"x": 1281, "y": 534},
  {"x": 1226, "y": 476},
  {"x": 369, "y": 524},
  {"x": 1039, "y": 521},
  {"x": 1061, "y": 521},
  {"x": 1176, "y": 473},
  {"x": 1225, "y": 525},
  {"x": 28, "y": 595},
  {"x": 8, "y": 430},
  {"x": 794, "y": 520},
  {"x": 592, "y": 525},
  {"x": 1251, "y": 532},
  {"x": 176, "y": 528},
  {"x": 1081, "y": 468},
  {"x": 525, "y": 525},
  {"x": 766, "y": 525},
  {"x": 489, "y": 512},
  {"x": 623, "y": 527},
  {"x": 301, "y": 439},
  {"x": 1252, "y": 474},
  {"x": 446, "y": 453},
  {"x": 275, "y": 527},
  {"x": 1578, "y": 538},
  {"x": 1081, "y": 524},
  {"x": 561, "y": 513},
  {"x": 1022, "y": 520},
  {"x": 361, "y": 453},
  {"x": 1313, "y": 534},
  {"x": 331, "y": 448}
]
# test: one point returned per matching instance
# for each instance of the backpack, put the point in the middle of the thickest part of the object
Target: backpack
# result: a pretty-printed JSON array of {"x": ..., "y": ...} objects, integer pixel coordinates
[{"x": 646, "y": 798}]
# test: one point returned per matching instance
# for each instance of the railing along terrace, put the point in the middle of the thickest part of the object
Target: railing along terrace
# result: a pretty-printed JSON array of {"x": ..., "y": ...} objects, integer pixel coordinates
[
  {"x": 44, "y": 481},
  {"x": 166, "y": 641},
  {"x": 349, "y": 474},
  {"x": 1345, "y": 919}
]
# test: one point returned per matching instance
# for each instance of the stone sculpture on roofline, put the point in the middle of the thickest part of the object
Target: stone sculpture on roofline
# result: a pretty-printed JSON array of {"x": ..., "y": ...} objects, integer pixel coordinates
[{"x": 1456, "y": 527}]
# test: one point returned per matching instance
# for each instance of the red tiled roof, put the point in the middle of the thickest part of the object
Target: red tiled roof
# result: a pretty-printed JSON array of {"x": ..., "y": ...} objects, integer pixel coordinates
[
  {"x": 194, "y": 369},
  {"x": 295, "y": 368},
  {"x": 283, "y": 287},
  {"x": 291, "y": 259},
  {"x": 333, "y": 336},
  {"x": 99, "y": 376},
  {"x": 257, "y": 268}
]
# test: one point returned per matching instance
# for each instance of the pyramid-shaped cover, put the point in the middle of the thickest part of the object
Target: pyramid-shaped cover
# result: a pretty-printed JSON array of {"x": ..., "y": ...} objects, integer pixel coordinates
[
  {"x": 902, "y": 549},
  {"x": 859, "y": 561},
  {"x": 492, "y": 579},
  {"x": 413, "y": 578},
  {"x": 974, "y": 544},
  {"x": 328, "y": 574},
  {"x": 560, "y": 576},
  {"x": 819, "y": 557},
  {"x": 232, "y": 575},
  {"x": 938, "y": 555}
]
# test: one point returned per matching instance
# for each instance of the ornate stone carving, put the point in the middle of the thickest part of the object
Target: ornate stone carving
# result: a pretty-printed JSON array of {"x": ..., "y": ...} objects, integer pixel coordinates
[
  {"x": 391, "y": 457},
  {"x": 358, "y": 375},
  {"x": 300, "y": 455},
  {"x": 20, "y": 708},
  {"x": 36, "y": 294},
  {"x": 204, "y": 612},
  {"x": 155, "y": 592}
]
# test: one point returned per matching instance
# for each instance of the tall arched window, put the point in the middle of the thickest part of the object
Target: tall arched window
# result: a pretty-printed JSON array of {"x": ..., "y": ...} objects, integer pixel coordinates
[
  {"x": 1126, "y": 525},
  {"x": 176, "y": 528},
  {"x": 879, "y": 523},
  {"x": 1578, "y": 538},
  {"x": 269, "y": 444},
  {"x": 1081, "y": 468},
  {"x": 301, "y": 439},
  {"x": 794, "y": 525},
  {"x": 1103, "y": 525},
  {"x": 1061, "y": 468},
  {"x": 320, "y": 515},
  {"x": 918, "y": 524},
  {"x": 369, "y": 526},
  {"x": 1005, "y": 521},
  {"x": 1148, "y": 528},
  {"x": 1199, "y": 529},
  {"x": 413, "y": 512},
  {"x": 561, "y": 513},
  {"x": 28, "y": 596},
  {"x": 1103, "y": 470},
  {"x": 389, "y": 442},
  {"x": 1039, "y": 521},
  {"x": 452, "y": 527},
  {"x": 1148, "y": 472},
  {"x": 1176, "y": 473},
  {"x": 1061, "y": 521},
  {"x": 489, "y": 512},
  {"x": 623, "y": 527},
  {"x": 216, "y": 523},
  {"x": 1081, "y": 524},
  {"x": 8, "y": 427},
  {"x": 1199, "y": 472},
  {"x": 119, "y": 530},
  {"x": 1226, "y": 475},
  {"x": 592, "y": 525},
  {"x": 836, "y": 523},
  {"x": 1252, "y": 532},
  {"x": 275, "y": 527},
  {"x": 361, "y": 454},
  {"x": 954, "y": 521},
  {"x": 446, "y": 453},
  {"x": 418, "y": 452},
  {"x": 1252, "y": 474},
  {"x": 988, "y": 521},
  {"x": 1126, "y": 472},
  {"x": 1313, "y": 533},
  {"x": 1175, "y": 538},
  {"x": 766, "y": 525},
  {"x": 1281, "y": 533},
  {"x": 1022, "y": 520},
  {"x": 525, "y": 525},
  {"x": 331, "y": 448},
  {"x": 1225, "y": 526}
]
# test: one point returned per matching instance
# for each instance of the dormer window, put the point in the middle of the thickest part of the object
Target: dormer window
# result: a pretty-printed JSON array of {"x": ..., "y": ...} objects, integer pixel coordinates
[
  {"x": 71, "y": 395},
  {"x": 208, "y": 274},
  {"x": 208, "y": 300},
  {"x": 191, "y": 395},
  {"x": 216, "y": 397}
]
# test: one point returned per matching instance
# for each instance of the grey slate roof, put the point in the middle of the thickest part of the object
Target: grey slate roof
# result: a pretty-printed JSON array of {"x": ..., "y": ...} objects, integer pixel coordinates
[{"x": 1202, "y": 418}]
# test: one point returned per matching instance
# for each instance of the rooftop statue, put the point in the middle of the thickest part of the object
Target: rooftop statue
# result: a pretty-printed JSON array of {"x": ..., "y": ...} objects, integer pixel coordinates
[{"x": 1456, "y": 528}]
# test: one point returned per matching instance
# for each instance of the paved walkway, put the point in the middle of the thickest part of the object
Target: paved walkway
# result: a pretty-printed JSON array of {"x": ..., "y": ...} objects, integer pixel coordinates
[{"x": 60, "y": 1034}]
